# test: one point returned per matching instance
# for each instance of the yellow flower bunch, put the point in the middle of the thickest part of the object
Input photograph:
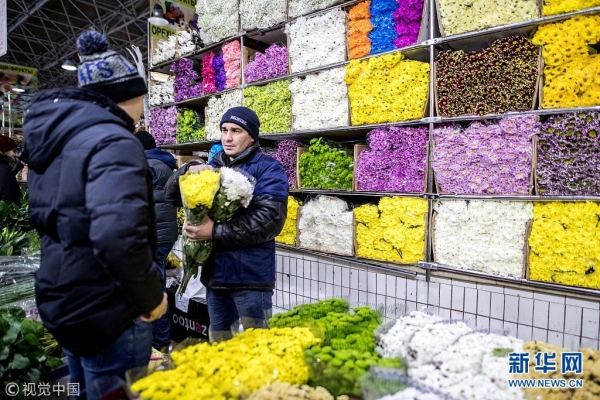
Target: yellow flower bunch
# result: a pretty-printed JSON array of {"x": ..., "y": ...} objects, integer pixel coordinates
[
  {"x": 387, "y": 88},
  {"x": 565, "y": 243},
  {"x": 571, "y": 72},
  {"x": 392, "y": 231},
  {"x": 199, "y": 189},
  {"x": 553, "y": 7},
  {"x": 234, "y": 368},
  {"x": 288, "y": 233}
]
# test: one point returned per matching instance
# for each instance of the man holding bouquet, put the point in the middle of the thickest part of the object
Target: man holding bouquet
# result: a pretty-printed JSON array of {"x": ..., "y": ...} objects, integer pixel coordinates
[{"x": 239, "y": 275}]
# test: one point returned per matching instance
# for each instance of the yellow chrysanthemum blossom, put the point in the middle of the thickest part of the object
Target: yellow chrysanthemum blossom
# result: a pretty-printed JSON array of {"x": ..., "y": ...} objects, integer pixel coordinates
[
  {"x": 199, "y": 189},
  {"x": 288, "y": 233},
  {"x": 553, "y": 7}
]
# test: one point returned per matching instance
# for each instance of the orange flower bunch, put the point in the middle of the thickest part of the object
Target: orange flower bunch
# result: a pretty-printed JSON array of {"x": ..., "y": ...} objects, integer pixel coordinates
[{"x": 359, "y": 26}]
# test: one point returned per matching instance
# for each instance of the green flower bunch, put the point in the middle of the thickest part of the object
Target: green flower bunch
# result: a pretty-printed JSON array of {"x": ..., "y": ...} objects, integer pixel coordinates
[
  {"x": 273, "y": 105},
  {"x": 190, "y": 126},
  {"x": 326, "y": 165}
]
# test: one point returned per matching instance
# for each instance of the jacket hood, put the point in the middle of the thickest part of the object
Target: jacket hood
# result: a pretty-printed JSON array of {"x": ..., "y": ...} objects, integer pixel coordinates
[
  {"x": 161, "y": 155},
  {"x": 55, "y": 116}
]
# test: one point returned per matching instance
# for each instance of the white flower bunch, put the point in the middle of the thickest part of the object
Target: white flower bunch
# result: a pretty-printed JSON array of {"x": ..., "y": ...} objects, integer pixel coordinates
[
  {"x": 394, "y": 343},
  {"x": 185, "y": 43},
  {"x": 487, "y": 236},
  {"x": 161, "y": 94},
  {"x": 297, "y": 8},
  {"x": 327, "y": 225},
  {"x": 165, "y": 50},
  {"x": 430, "y": 339},
  {"x": 411, "y": 393},
  {"x": 217, "y": 19},
  {"x": 236, "y": 186},
  {"x": 261, "y": 13},
  {"x": 317, "y": 41},
  {"x": 320, "y": 100},
  {"x": 217, "y": 105}
]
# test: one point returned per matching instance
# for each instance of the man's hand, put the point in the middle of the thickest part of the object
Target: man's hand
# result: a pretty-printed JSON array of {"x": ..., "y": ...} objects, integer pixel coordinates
[
  {"x": 199, "y": 167},
  {"x": 198, "y": 233},
  {"x": 158, "y": 312}
]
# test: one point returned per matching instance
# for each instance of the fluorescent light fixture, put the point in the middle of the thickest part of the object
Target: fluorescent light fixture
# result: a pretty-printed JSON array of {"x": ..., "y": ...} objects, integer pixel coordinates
[
  {"x": 69, "y": 65},
  {"x": 17, "y": 89}
]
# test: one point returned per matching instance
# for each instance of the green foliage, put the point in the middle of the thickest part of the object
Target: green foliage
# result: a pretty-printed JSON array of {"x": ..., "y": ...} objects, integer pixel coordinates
[
  {"x": 11, "y": 241},
  {"x": 14, "y": 218},
  {"x": 190, "y": 126},
  {"x": 326, "y": 165}
]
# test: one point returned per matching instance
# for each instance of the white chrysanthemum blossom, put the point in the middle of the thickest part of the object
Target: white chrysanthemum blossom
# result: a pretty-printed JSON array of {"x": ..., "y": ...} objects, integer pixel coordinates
[
  {"x": 394, "y": 343},
  {"x": 327, "y": 225},
  {"x": 217, "y": 105},
  {"x": 411, "y": 393},
  {"x": 165, "y": 50},
  {"x": 218, "y": 19},
  {"x": 261, "y": 13},
  {"x": 236, "y": 186},
  {"x": 297, "y": 8},
  {"x": 161, "y": 94}
]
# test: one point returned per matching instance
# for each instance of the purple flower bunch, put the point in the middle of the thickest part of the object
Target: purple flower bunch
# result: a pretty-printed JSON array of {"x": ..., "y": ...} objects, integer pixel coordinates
[
  {"x": 209, "y": 74},
  {"x": 187, "y": 82},
  {"x": 286, "y": 154},
  {"x": 568, "y": 161},
  {"x": 218, "y": 64},
  {"x": 163, "y": 125},
  {"x": 382, "y": 18},
  {"x": 395, "y": 160},
  {"x": 272, "y": 64},
  {"x": 492, "y": 158},
  {"x": 408, "y": 22}
]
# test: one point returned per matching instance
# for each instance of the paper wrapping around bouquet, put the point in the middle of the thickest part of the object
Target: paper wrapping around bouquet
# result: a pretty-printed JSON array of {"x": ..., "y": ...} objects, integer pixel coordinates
[{"x": 195, "y": 290}]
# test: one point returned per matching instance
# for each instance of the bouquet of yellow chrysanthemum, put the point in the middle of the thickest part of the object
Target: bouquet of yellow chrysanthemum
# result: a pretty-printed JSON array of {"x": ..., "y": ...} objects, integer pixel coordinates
[{"x": 218, "y": 194}]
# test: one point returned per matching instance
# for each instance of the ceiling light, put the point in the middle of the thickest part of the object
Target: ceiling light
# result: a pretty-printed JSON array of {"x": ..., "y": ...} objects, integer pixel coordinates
[
  {"x": 157, "y": 16},
  {"x": 69, "y": 65}
]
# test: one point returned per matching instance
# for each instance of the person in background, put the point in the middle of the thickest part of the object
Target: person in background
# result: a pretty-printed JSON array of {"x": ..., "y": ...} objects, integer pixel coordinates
[
  {"x": 90, "y": 198},
  {"x": 161, "y": 164},
  {"x": 9, "y": 187},
  {"x": 240, "y": 274}
]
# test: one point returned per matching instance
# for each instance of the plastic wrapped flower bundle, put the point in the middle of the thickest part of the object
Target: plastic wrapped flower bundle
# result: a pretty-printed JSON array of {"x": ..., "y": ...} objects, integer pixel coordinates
[
  {"x": 216, "y": 108},
  {"x": 234, "y": 368},
  {"x": 218, "y": 19},
  {"x": 163, "y": 125},
  {"x": 320, "y": 100},
  {"x": 161, "y": 93},
  {"x": 165, "y": 50},
  {"x": 326, "y": 224},
  {"x": 326, "y": 165},
  {"x": 326, "y": 31},
  {"x": 387, "y": 88},
  {"x": 297, "y": 8},
  {"x": 462, "y": 16},
  {"x": 187, "y": 83},
  {"x": 286, "y": 153},
  {"x": 407, "y": 20},
  {"x": 564, "y": 244},
  {"x": 569, "y": 155},
  {"x": 553, "y": 7},
  {"x": 395, "y": 160},
  {"x": 262, "y": 13},
  {"x": 190, "y": 126},
  {"x": 494, "y": 80},
  {"x": 288, "y": 233},
  {"x": 382, "y": 19},
  {"x": 272, "y": 104},
  {"x": 272, "y": 64},
  {"x": 493, "y": 158},
  {"x": 392, "y": 231},
  {"x": 482, "y": 235},
  {"x": 570, "y": 64},
  {"x": 218, "y": 64},
  {"x": 209, "y": 74},
  {"x": 359, "y": 26},
  {"x": 232, "y": 56}
]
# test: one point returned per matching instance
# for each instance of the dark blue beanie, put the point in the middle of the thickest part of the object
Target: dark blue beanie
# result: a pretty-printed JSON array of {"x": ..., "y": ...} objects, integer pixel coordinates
[{"x": 243, "y": 117}]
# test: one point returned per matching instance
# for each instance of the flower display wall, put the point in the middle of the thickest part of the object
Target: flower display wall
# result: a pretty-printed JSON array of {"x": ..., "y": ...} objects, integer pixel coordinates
[
  {"x": 272, "y": 104},
  {"x": 288, "y": 233},
  {"x": 569, "y": 155},
  {"x": 478, "y": 235},
  {"x": 165, "y": 50},
  {"x": 394, "y": 230},
  {"x": 326, "y": 165},
  {"x": 187, "y": 83},
  {"x": 262, "y": 13},
  {"x": 216, "y": 108},
  {"x": 320, "y": 100},
  {"x": 209, "y": 74},
  {"x": 564, "y": 243},
  {"x": 161, "y": 93},
  {"x": 286, "y": 153},
  {"x": 272, "y": 64},
  {"x": 395, "y": 160},
  {"x": 190, "y": 126},
  {"x": 387, "y": 88},
  {"x": 327, "y": 225},
  {"x": 218, "y": 19},
  {"x": 407, "y": 22},
  {"x": 498, "y": 79},
  {"x": 553, "y": 7},
  {"x": 317, "y": 41},
  {"x": 570, "y": 65},
  {"x": 492, "y": 158},
  {"x": 232, "y": 56},
  {"x": 297, "y": 8},
  {"x": 473, "y": 15},
  {"x": 382, "y": 19},
  {"x": 163, "y": 125},
  {"x": 359, "y": 26}
]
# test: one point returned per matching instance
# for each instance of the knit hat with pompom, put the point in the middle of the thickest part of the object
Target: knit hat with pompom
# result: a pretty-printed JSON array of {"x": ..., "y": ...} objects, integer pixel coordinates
[{"x": 105, "y": 71}]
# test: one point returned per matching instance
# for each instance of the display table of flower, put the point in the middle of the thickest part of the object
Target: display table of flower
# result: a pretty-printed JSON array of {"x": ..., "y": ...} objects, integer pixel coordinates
[
  {"x": 493, "y": 158},
  {"x": 288, "y": 233},
  {"x": 317, "y": 41},
  {"x": 395, "y": 160},
  {"x": 568, "y": 155},
  {"x": 261, "y": 13},
  {"x": 272, "y": 63},
  {"x": 188, "y": 82},
  {"x": 216, "y": 108},
  {"x": 392, "y": 231},
  {"x": 320, "y": 100},
  {"x": 326, "y": 165},
  {"x": 164, "y": 50},
  {"x": 232, "y": 58},
  {"x": 161, "y": 93},
  {"x": 218, "y": 19},
  {"x": 272, "y": 104},
  {"x": 565, "y": 243},
  {"x": 326, "y": 224},
  {"x": 297, "y": 8},
  {"x": 466, "y": 16},
  {"x": 287, "y": 154},
  {"x": 570, "y": 62},
  {"x": 387, "y": 88},
  {"x": 190, "y": 126},
  {"x": 359, "y": 27},
  {"x": 494, "y": 80},
  {"x": 482, "y": 235},
  {"x": 553, "y": 7},
  {"x": 163, "y": 125}
]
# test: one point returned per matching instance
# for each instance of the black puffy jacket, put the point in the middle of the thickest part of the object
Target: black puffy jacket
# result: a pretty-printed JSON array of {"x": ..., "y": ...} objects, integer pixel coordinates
[
  {"x": 90, "y": 199},
  {"x": 9, "y": 187},
  {"x": 161, "y": 165}
]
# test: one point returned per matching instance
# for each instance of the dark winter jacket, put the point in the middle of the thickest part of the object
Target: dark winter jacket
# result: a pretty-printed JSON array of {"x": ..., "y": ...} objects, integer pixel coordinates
[
  {"x": 162, "y": 164},
  {"x": 244, "y": 246},
  {"x": 90, "y": 199},
  {"x": 9, "y": 187}
]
